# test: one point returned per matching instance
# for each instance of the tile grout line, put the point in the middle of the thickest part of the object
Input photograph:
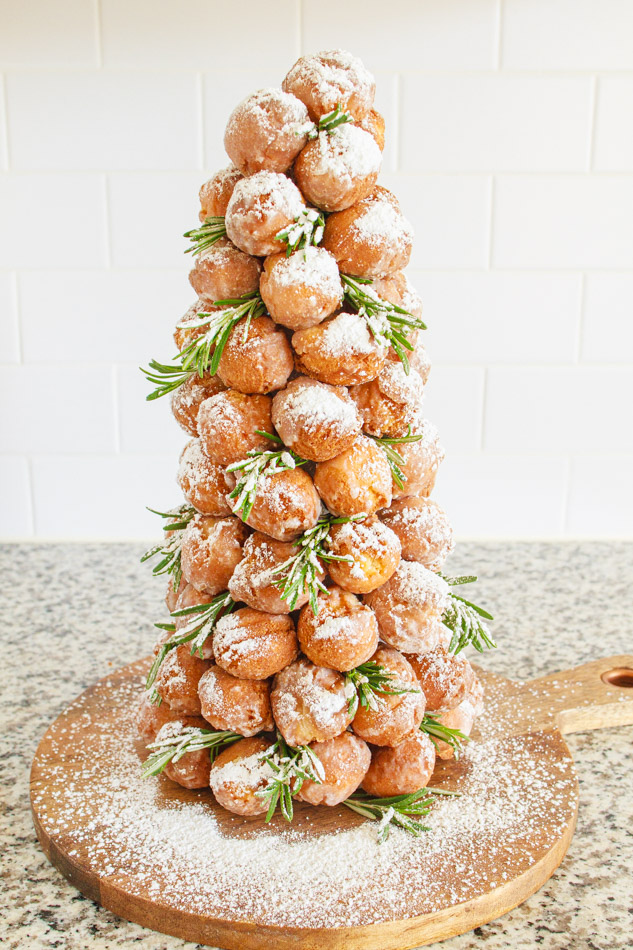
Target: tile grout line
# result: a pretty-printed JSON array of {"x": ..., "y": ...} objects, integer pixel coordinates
[{"x": 595, "y": 89}]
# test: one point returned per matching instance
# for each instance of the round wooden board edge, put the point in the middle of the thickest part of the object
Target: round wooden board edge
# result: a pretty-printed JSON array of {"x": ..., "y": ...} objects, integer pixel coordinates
[{"x": 401, "y": 934}]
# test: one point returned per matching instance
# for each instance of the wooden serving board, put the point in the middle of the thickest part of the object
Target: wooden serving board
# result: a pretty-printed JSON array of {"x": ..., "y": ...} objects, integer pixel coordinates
[{"x": 172, "y": 860}]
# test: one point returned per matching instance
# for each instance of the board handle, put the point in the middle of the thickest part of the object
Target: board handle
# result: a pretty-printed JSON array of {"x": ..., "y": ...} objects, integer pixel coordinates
[{"x": 590, "y": 696}]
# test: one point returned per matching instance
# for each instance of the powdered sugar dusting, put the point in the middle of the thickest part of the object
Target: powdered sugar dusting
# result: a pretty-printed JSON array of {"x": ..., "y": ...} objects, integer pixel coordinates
[{"x": 518, "y": 797}]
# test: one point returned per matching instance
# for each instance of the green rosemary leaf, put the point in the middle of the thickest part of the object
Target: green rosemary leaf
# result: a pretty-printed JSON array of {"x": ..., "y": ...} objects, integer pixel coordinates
[
  {"x": 290, "y": 767},
  {"x": 307, "y": 229},
  {"x": 191, "y": 739},
  {"x": 206, "y": 235},
  {"x": 331, "y": 122},
  {"x": 436, "y": 732},
  {"x": 254, "y": 469},
  {"x": 176, "y": 521},
  {"x": 300, "y": 572},
  {"x": 369, "y": 682},
  {"x": 196, "y": 632},
  {"x": 465, "y": 620},
  {"x": 203, "y": 354},
  {"x": 402, "y": 811},
  {"x": 387, "y": 322},
  {"x": 393, "y": 457},
  {"x": 457, "y": 581}
]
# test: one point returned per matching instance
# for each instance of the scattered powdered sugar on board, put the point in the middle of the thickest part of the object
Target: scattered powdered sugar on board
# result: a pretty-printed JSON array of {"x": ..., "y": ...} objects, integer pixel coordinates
[{"x": 518, "y": 797}]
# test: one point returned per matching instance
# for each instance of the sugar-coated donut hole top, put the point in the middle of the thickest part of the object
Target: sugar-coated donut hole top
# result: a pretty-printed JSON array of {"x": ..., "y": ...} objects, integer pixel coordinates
[
  {"x": 324, "y": 80},
  {"x": 266, "y": 131}
]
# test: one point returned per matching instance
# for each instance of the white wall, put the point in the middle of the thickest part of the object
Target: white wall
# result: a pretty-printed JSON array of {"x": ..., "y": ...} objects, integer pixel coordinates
[{"x": 511, "y": 147}]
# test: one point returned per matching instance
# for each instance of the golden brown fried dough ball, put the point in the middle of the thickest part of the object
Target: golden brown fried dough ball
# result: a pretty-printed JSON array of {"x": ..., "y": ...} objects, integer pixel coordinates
[
  {"x": 193, "y": 768},
  {"x": 238, "y": 773},
  {"x": 266, "y": 131},
  {"x": 314, "y": 419},
  {"x": 204, "y": 484},
  {"x": 340, "y": 351},
  {"x": 310, "y": 703},
  {"x": 172, "y": 594},
  {"x": 254, "y": 645},
  {"x": 286, "y": 504},
  {"x": 177, "y": 680},
  {"x": 342, "y": 635},
  {"x": 402, "y": 770},
  {"x": 211, "y": 550},
  {"x": 390, "y": 403},
  {"x": 421, "y": 461},
  {"x": 358, "y": 481},
  {"x": 462, "y": 718},
  {"x": 336, "y": 170},
  {"x": 303, "y": 289},
  {"x": 345, "y": 760},
  {"x": 216, "y": 192},
  {"x": 330, "y": 78},
  {"x": 227, "y": 424},
  {"x": 185, "y": 401},
  {"x": 222, "y": 272},
  {"x": 184, "y": 335},
  {"x": 151, "y": 717},
  {"x": 397, "y": 289},
  {"x": 375, "y": 551},
  {"x": 239, "y": 705},
  {"x": 260, "y": 207},
  {"x": 370, "y": 239},
  {"x": 257, "y": 360},
  {"x": 445, "y": 678},
  {"x": 374, "y": 123},
  {"x": 253, "y": 580},
  {"x": 397, "y": 715},
  {"x": 409, "y": 608},
  {"x": 423, "y": 529}
]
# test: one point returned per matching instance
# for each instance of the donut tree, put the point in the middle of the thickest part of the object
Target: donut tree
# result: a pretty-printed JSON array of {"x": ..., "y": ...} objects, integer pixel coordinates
[{"x": 314, "y": 649}]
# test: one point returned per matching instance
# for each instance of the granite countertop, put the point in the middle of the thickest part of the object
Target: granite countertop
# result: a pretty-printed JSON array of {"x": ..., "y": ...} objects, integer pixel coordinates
[{"x": 74, "y": 612}]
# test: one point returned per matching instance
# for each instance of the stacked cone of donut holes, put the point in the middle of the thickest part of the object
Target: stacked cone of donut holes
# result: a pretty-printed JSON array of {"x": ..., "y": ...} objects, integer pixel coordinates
[{"x": 310, "y": 372}]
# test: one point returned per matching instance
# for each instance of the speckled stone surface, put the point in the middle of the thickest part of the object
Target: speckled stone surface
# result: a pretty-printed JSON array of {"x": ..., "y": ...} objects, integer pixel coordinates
[{"x": 72, "y": 612}]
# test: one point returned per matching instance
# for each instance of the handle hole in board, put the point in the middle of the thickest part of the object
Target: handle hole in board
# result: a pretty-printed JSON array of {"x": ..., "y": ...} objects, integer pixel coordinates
[{"x": 621, "y": 676}]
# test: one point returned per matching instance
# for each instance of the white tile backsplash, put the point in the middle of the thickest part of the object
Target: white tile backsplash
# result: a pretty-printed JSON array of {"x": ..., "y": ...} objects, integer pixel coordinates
[
  {"x": 511, "y": 123},
  {"x": 509, "y": 146}
]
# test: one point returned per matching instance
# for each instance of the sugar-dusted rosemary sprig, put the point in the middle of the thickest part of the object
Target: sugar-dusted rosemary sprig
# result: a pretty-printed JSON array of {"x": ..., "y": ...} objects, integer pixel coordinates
[
  {"x": 300, "y": 572},
  {"x": 394, "y": 458},
  {"x": 371, "y": 682},
  {"x": 204, "y": 617},
  {"x": 177, "y": 520},
  {"x": 402, "y": 811},
  {"x": 291, "y": 767},
  {"x": 206, "y": 235},
  {"x": 203, "y": 354},
  {"x": 190, "y": 739},
  {"x": 331, "y": 122},
  {"x": 388, "y": 323},
  {"x": 307, "y": 229},
  {"x": 463, "y": 619},
  {"x": 258, "y": 465},
  {"x": 438, "y": 732}
]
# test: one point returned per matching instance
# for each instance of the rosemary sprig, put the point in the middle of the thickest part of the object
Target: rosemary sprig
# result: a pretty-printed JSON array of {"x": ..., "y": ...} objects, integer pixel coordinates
[
  {"x": 402, "y": 811},
  {"x": 388, "y": 323},
  {"x": 291, "y": 766},
  {"x": 191, "y": 739},
  {"x": 206, "y": 235},
  {"x": 177, "y": 520},
  {"x": 371, "y": 682},
  {"x": 301, "y": 570},
  {"x": 258, "y": 465},
  {"x": 197, "y": 631},
  {"x": 203, "y": 354},
  {"x": 434, "y": 729},
  {"x": 463, "y": 619},
  {"x": 330, "y": 123},
  {"x": 394, "y": 458},
  {"x": 307, "y": 229}
]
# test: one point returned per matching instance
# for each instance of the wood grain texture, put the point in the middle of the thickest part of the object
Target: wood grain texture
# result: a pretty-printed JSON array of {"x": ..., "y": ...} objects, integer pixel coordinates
[{"x": 523, "y": 723}]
